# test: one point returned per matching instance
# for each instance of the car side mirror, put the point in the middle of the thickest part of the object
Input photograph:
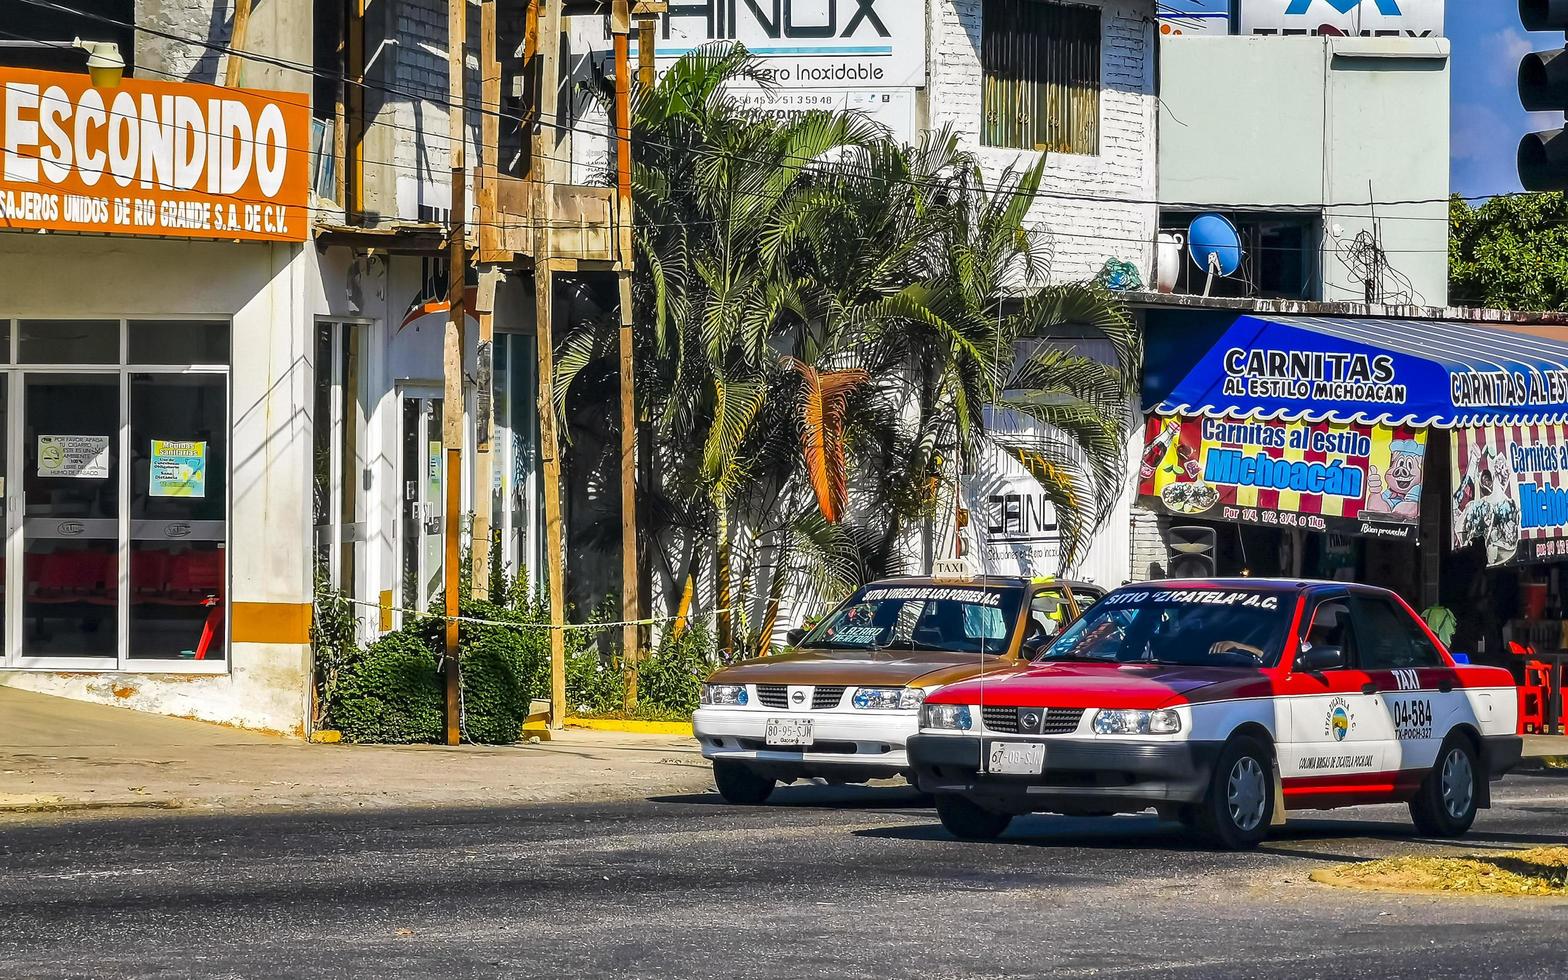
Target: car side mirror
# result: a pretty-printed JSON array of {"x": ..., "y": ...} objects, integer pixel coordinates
[
  {"x": 1318, "y": 659},
  {"x": 794, "y": 636}
]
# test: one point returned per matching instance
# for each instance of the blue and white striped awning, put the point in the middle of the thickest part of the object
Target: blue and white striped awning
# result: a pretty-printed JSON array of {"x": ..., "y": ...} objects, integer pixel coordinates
[{"x": 1394, "y": 372}]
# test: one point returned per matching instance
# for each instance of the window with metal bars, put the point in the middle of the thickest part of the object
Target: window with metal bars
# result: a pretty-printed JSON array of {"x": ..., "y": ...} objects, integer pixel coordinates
[{"x": 1041, "y": 63}]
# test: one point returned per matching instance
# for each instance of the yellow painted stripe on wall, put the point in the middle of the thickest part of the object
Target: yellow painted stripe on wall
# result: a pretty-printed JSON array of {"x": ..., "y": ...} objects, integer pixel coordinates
[{"x": 270, "y": 622}]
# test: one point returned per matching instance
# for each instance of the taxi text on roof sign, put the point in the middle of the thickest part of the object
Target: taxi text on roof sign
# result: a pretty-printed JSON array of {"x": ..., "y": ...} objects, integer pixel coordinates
[{"x": 174, "y": 159}]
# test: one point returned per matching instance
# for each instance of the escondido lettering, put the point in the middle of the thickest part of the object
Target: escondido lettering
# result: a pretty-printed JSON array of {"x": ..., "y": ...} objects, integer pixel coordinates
[{"x": 169, "y": 142}]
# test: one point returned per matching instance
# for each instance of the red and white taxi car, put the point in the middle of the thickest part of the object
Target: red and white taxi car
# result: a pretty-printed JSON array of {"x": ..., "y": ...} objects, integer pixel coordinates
[{"x": 1223, "y": 704}]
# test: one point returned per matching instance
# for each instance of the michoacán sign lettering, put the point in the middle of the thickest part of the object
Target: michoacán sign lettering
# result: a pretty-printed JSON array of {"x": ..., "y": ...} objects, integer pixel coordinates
[{"x": 152, "y": 158}]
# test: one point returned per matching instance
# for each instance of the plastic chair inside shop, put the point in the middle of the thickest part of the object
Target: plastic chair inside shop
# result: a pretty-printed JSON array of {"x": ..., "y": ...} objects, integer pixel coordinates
[
  {"x": 1533, "y": 697},
  {"x": 68, "y": 576}
]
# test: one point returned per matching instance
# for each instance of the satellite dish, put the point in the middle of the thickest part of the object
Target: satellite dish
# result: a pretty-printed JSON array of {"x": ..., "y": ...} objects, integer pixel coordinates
[{"x": 1215, "y": 246}]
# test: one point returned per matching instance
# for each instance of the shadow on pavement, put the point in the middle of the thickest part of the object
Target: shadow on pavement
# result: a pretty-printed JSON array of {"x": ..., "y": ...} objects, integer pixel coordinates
[
  {"x": 1148, "y": 833},
  {"x": 820, "y": 797}
]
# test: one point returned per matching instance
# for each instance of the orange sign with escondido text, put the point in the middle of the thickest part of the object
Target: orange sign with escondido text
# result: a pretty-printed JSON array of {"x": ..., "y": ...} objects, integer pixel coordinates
[{"x": 164, "y": 159}]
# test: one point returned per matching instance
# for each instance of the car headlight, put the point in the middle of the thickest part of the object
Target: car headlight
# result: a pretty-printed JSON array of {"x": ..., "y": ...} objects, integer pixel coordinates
[
  {"x": 954, "y": 716},
  {"x": 889, "y": 698},
  {"x": 734, "y": 694},
  {"x": 1121, "y": 722}
]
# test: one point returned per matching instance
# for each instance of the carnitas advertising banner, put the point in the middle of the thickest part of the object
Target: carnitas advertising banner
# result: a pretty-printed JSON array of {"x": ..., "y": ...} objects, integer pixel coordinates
[
  {"x": 1346, "y": 478},
  {"x": 1511, "y": 491},
  {"x": 164, "y": 159}
]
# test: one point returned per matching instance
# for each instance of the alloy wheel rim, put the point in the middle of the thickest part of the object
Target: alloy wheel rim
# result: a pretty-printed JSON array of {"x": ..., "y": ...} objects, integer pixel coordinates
[
  {"x": 1244, "y": 794},
  {"x": 1458, "y": 784}
]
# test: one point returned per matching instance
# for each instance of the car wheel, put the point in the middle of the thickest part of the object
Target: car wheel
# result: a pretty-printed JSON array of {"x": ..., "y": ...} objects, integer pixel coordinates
[
  {"x": 742, "y": 785},
  {"x": 1240, "y": 804},
  {"x": 968, "y": 820},
  {"x": 1445, "y": 805}
]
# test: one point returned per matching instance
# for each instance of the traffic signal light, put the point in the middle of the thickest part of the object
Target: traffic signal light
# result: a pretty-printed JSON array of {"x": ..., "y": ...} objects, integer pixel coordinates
[{"x": 1543, "y": 87}]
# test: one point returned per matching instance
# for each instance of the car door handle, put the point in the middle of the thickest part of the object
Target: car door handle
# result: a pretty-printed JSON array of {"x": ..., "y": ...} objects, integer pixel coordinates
[
  {"x": 1445, "y": 687},
  {"x": 1369, "y": 688}
]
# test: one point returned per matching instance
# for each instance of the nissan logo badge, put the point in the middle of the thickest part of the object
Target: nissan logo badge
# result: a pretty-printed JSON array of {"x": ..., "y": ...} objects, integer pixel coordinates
[
  {"x": 1031, "y": 720},
  {"x": 72, "y": 528},
  {"x": 799, "y": 697},
  {"x": 179, "y": 529}
]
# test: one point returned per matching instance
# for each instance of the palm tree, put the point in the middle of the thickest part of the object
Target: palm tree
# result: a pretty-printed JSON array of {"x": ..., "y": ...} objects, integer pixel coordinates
[{"x": 829, "y": 321}]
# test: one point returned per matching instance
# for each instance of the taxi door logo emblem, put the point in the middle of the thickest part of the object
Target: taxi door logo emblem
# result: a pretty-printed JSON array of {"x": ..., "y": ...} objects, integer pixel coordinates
[{"x": 1340, "y": 721}]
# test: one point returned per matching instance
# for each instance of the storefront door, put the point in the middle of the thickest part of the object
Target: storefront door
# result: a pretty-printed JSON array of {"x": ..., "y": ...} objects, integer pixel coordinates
[
  {"x": 422, "y": 542},
  {"x": 70, "y": 519}
]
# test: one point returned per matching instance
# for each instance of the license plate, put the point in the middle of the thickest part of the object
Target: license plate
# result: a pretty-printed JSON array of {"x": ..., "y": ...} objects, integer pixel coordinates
[
  {"x": 789, "y": 731},
  {"x": 1016, "y": 758}
]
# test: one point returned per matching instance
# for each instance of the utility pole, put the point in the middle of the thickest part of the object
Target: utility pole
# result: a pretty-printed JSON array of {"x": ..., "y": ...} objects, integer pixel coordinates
[
  {"x": 631, "y": 605},
  {"x": 484, "y": 397},
  {"x": 452, "y": 362},
  {"x": 542, "y": 172}
]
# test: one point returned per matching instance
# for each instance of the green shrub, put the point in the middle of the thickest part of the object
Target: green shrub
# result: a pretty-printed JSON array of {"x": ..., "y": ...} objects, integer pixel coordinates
[
  {"x": 391, "y": 695},
  {"x": 670, "y": 681}
]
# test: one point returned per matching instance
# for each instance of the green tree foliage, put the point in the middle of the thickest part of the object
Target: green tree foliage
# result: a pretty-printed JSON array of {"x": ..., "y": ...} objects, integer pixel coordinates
[
  {"x": 828, "y": 322},
  {"x": 1510, "y": 253}
]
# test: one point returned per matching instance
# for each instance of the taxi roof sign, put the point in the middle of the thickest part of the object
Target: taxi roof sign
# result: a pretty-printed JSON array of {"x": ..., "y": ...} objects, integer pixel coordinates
[{"x": 953, "y": 570}]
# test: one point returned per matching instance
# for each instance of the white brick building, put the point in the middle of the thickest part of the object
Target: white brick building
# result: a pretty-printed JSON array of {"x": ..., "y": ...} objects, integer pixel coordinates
[{"x": 1094, "y": 205}]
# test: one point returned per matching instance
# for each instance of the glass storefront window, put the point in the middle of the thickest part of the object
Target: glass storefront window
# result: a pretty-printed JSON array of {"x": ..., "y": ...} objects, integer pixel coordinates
[
  {"x": 178, "y": 342},
  {"x": 123, "y": 493},
  {"x": 178, "y": 464},
  {"x": 69, "y": 342}
]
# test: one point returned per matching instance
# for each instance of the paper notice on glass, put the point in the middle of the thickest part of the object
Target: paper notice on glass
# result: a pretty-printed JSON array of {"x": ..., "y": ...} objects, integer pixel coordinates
[
  {"x": 179, "y": 469},
  {"x": 74, "y": 457}
]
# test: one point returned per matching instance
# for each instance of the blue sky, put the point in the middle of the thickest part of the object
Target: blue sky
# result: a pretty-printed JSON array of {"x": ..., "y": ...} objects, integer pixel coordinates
[{"x": 1487, "y": 120}]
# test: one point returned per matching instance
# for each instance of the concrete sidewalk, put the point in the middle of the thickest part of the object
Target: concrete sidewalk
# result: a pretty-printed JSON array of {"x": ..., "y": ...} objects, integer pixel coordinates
[{"x": 58, "y": 754}]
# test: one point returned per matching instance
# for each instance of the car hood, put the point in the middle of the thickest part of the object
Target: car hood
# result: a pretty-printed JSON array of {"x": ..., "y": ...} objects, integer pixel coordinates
[
  {"x": 864, "y": 668},
  {"x": 1081, "y": 685}
]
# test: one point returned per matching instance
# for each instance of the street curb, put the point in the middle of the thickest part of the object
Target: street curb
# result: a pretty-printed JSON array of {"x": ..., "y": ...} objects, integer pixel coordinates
[
  {"x": 632, "y": 727},
  {"x": 326, "y": 736}
]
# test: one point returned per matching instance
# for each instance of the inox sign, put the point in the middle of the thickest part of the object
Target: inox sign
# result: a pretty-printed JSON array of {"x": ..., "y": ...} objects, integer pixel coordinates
[{"x": 783, "y": 19}]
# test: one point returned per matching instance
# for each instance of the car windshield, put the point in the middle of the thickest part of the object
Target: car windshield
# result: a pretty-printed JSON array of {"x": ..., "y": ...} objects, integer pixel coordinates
[
  {"x": 1191, "y": 627},
  {"x": 959, "y": 618}
]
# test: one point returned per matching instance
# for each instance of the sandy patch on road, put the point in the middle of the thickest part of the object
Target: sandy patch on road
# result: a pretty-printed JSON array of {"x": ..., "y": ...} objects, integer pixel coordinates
[{"x": 1539, "y": 872}]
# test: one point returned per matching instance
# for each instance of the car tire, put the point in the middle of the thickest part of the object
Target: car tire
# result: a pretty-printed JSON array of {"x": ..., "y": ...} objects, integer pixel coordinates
[
  {"x": 1239, "y": 807},
  {"x": 742, "y": 785},
  {"x": 1445, "y": 804},
  {"x": 967, "y": 820}
]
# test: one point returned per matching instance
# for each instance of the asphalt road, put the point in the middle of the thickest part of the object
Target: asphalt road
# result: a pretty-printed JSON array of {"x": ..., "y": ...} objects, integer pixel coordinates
[{"x": 825, "y": 882}]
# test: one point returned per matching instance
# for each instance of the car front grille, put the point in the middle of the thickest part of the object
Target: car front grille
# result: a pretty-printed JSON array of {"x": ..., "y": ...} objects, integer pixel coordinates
[
  {"x": 773, "y": 695},
  {"x": 825, "y": 697},
  {"x": 1000, "y": 719},
  {"x": 1054, "y": 721}
]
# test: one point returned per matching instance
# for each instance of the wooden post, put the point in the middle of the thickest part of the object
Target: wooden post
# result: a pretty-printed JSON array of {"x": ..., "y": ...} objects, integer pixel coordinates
[
  {"x": 234, "y": 63},
  {"x": 452, "y": 363},
  {"x": 543, "y": 170},
  {"x": 631, "y": 571},
  {"x": 353, "y": 175},
  {"x": 645, "y": 50},
  {"x": 484, "y": 416}
]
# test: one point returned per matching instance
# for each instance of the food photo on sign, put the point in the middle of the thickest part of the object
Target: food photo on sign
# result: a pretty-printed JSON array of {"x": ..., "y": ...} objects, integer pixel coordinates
[
  {"x": 1511, "y": 491},
  {"x": 1319, "y": 476}
]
